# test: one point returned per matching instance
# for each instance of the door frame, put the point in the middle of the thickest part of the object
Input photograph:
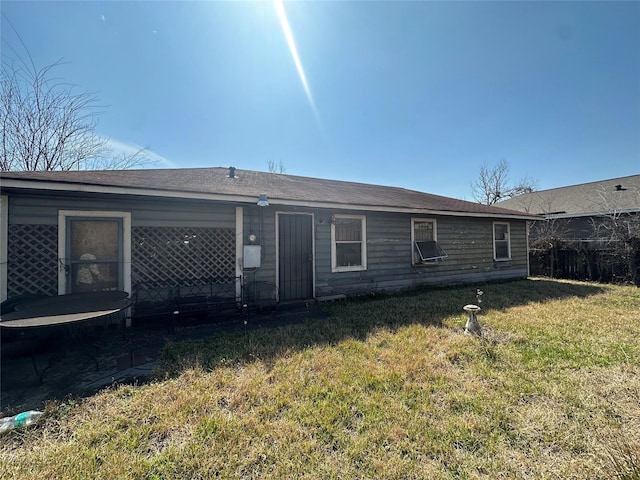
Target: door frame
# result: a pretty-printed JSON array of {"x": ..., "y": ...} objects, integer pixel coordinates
[
  {"x": 125, "y": 217},
  {"x": 313, "y": 249}
]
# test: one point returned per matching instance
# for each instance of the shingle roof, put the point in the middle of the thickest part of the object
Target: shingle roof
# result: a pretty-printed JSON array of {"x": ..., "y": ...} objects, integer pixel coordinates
[
  {"x": 619, "y": 194},
  {"x": 281, "y": 189}
]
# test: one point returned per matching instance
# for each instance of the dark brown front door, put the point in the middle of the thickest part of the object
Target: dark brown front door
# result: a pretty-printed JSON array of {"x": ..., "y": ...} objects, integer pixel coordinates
[{"x": 295, "y": 254}]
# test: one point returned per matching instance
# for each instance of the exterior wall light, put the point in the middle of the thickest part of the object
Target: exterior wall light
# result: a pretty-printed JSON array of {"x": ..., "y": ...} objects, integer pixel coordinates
[{"x": 262, "y": 200}]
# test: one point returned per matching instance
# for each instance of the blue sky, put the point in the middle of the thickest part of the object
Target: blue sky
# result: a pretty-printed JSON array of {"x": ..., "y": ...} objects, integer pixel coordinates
[{"x": 411, "y": 94}]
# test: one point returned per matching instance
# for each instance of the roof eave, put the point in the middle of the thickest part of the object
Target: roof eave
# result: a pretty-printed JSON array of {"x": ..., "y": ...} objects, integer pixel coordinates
[
  {"x": 46, "y": 185},
  {"x": 590, "y": 214}
]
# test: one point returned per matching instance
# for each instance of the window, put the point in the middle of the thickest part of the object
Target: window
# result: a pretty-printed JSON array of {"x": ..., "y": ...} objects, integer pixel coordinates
[
  {"x": 94, "y": 254},
  {"x": 348, "y": 243},
  {"x": 501, "y": 241},
  {"x": 425, "y": 242},
  {"x": 94, "y": 251}
]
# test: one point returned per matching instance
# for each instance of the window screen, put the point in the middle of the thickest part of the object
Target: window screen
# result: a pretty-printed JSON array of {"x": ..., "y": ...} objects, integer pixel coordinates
[{"x": 94, "y": 254}]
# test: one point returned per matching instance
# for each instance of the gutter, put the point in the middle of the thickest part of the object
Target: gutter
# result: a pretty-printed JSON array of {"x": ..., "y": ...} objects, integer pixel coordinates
[{"x": 590, "y": 214}]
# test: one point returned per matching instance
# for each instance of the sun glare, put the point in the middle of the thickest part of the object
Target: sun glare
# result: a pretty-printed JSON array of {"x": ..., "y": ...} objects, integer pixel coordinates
[{"x": 284, "y": 23}]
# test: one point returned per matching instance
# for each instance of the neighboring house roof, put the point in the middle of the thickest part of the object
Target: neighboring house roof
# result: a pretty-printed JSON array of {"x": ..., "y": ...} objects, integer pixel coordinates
[
  {"x": 614, "y": 195},
  {"x": 216, "y": 184}
]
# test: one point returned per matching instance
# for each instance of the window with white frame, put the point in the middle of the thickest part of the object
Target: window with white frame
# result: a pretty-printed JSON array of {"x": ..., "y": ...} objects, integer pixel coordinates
[
  {"x": 501, "y": 241},
  {"x": 348, "y": 243},
  {"x": 94, "y": 247},
  {"x": 424, "y": 240},
  {"x": 94, "y": 254}
]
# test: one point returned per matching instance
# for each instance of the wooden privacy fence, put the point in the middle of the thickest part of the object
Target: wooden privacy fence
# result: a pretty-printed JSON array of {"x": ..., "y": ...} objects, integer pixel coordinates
[{"x": 608, "y": 266}]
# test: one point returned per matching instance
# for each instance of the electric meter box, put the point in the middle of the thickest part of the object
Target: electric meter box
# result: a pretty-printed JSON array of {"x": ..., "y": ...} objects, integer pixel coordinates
[{"x": 252, "y": 255}]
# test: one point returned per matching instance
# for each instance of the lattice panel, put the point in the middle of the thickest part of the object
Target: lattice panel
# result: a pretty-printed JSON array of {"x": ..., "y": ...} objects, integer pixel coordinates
[
  {"x": 181, "y": 253},
  {"x": 32, "y": 259}
]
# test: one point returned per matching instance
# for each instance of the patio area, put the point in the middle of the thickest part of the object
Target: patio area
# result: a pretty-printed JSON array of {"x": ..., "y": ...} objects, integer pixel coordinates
[{"x": 36, "y": 370}]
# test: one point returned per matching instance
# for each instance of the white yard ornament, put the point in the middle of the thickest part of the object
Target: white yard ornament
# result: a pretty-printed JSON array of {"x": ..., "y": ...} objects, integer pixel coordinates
[{"x": 472, "y": 327}]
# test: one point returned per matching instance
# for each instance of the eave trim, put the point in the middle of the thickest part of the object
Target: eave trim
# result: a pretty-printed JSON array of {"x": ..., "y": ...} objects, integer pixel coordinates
[{"x": 243, "y": 199}]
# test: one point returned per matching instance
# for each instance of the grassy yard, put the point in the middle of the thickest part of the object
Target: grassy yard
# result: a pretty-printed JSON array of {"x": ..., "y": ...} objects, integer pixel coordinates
[{"x": 386, "y": 387}]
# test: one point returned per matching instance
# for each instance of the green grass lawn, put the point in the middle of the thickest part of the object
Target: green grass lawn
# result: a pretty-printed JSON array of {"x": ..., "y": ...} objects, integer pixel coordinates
[{"x": 386, "y": 387}]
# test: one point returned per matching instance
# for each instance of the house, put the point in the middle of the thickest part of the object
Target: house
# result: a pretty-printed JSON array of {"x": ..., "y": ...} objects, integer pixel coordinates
[
  {"x": 310, "y": 238},
  {"x": 600, "y": 219},
  {"x": 580, "y": 206}
]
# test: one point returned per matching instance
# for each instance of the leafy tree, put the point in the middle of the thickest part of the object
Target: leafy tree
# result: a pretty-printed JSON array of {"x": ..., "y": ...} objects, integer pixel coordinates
[{"x": 492, "y": 184}]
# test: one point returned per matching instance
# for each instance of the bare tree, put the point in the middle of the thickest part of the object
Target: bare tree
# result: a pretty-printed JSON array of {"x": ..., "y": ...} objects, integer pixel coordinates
[
  {"x": 492, "y": 184},
  {"x": 276, "y": 167},
  {"x": 47, "y": 124},
  {"x": 550, "y": 229},
  {"x": 618, "y": 231}
]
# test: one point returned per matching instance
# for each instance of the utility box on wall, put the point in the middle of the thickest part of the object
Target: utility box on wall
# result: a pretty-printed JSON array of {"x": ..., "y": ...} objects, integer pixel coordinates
[{"x": 252, "y": 256}]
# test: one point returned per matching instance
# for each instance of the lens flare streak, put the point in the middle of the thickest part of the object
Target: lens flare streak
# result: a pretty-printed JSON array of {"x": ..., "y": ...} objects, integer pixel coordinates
[{"x": 284, "y": 23}]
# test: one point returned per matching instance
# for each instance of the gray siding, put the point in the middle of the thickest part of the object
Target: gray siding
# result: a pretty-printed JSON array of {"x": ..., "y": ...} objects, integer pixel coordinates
[
  {"x": 43, "y": 210},
  {"x": 467, "y": 241},
  {"x": 261, "y": 222},
  {"x": 573, "y": 229},
  {"x": 31, "y": 215}
]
